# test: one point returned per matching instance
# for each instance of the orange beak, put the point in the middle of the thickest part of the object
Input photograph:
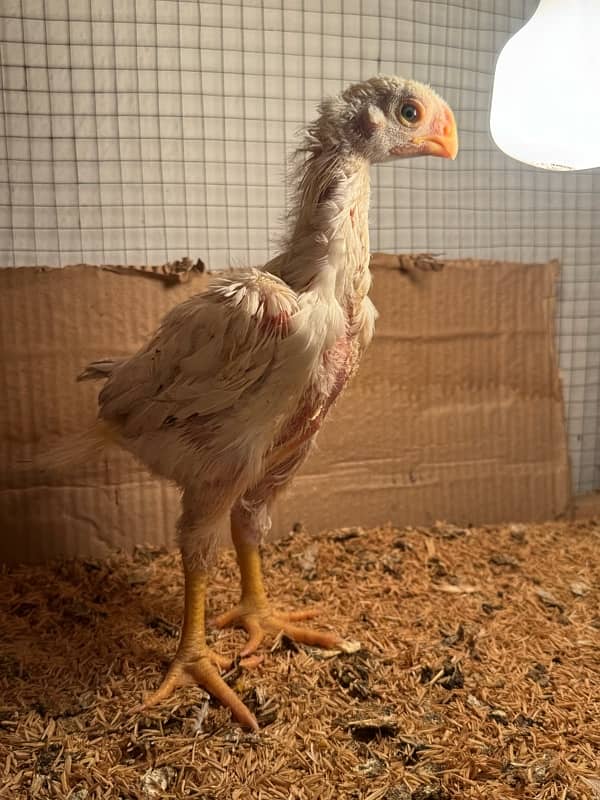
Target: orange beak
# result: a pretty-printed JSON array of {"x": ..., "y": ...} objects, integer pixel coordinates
[{"x": 444, "y": 144}]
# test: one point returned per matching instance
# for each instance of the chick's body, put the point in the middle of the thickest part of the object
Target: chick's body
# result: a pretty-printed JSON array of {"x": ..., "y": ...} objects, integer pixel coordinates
[
  {"x": 227, "y": 397},
  {"x": 229, "y": 394},
  {"x": 235, "y": 378}
]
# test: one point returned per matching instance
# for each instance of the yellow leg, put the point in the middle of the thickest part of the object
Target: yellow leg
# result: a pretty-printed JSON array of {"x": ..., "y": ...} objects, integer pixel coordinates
[
  {"x": 253, "y": 612},
  {"x": 253, "y": 587},
  {"x": 194, "y": 663}
]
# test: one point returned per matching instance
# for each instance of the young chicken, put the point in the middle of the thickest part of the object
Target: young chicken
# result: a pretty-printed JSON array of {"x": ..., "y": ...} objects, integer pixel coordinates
[{"x": 227, "y": 397}]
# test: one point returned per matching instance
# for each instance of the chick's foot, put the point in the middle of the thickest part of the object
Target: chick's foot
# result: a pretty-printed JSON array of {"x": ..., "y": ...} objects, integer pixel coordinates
[
  {"x": 203, "y": 670},
  {"x": 258, "y": 619}
]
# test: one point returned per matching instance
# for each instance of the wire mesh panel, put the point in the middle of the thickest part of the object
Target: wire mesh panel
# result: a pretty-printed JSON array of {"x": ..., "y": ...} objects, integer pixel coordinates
[{"x": 143, "y": 131}]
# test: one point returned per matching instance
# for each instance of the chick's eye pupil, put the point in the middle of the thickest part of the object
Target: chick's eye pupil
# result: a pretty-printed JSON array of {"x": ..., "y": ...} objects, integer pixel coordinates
[{"x": 409, "y": 112}]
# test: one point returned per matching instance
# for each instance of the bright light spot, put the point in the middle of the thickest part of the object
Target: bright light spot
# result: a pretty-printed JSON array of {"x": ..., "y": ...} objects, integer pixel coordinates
[{"x": 546, "y": 98}]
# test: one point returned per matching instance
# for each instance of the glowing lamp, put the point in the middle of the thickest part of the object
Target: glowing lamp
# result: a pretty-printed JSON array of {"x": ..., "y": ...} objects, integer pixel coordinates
[{"x": 546, "y": 97}]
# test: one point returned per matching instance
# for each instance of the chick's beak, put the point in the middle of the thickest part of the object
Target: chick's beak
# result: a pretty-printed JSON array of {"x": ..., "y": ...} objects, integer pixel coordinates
[{"x": 444, "y": 143}]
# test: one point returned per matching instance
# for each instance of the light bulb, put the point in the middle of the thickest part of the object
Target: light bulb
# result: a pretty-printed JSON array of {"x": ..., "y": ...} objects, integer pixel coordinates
[{"x": 546, "y": 96}]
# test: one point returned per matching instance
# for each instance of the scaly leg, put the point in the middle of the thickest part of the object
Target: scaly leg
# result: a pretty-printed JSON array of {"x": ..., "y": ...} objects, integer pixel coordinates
[
  {"x": 253, "y": 612},
  {"x": 194, "y": 662}
]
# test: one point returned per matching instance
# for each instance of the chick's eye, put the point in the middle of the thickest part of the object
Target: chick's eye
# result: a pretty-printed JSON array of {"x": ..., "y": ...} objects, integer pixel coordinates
[{"x": 410, "y": 112}]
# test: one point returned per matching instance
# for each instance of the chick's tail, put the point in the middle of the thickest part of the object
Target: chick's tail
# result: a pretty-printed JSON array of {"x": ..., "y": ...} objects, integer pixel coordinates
[
  {"x": 73, "y": 450},
  {"x": 76, "y": 449}
]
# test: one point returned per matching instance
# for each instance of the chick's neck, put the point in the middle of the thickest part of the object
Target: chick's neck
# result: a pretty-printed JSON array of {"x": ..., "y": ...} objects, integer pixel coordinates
[{"x": 328, "y": 247}]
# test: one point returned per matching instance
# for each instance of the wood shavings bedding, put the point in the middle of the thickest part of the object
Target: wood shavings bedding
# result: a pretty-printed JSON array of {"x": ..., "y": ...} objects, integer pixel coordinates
[{"x": 478, "y": 674}]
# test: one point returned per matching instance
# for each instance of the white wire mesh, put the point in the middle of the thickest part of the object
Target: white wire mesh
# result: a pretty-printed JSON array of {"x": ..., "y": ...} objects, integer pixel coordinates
[{"x": 143, "y": 131}]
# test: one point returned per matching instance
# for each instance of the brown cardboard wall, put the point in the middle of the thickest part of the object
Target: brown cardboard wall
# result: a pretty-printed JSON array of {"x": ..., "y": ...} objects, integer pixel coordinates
[{"x": 456, "y": 412}]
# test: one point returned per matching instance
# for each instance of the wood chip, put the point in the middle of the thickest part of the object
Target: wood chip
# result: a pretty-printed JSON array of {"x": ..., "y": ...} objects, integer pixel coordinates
[
  {"x": 451, "y": 588},
  {"x": 549, "y": 600},
  {"x": 579, "y": 588}
]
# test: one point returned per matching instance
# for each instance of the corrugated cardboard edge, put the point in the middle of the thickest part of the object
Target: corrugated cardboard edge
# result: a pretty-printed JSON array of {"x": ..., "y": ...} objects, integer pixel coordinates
[{"x": 124, "y": 505}]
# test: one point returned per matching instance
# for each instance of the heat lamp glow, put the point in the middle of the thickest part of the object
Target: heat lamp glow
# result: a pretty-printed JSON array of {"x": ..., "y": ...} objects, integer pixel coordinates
[{"x": 545, "y": 108}]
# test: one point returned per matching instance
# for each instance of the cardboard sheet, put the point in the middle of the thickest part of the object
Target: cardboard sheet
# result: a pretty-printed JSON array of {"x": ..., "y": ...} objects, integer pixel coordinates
[{"x": 456, "y": 412}]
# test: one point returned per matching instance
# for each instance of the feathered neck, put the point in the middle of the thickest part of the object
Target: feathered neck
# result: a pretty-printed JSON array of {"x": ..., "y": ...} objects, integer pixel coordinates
[{"x": 328, "y": 220}]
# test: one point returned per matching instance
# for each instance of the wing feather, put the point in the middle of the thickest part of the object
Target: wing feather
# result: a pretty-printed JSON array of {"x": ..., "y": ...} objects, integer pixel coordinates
[{"x": 209, "y": 353}]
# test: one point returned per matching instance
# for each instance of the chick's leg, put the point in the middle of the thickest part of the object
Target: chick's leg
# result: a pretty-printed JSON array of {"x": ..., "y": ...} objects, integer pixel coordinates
[
  {"x": 194, "y": 662},
  {"x": 253, "y": 612}
]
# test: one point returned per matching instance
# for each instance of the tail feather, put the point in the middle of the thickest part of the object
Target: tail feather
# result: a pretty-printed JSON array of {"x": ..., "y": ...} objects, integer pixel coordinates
[
  {"x": 99, "y": 369},
  {"x": 73, "y": 451}
]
